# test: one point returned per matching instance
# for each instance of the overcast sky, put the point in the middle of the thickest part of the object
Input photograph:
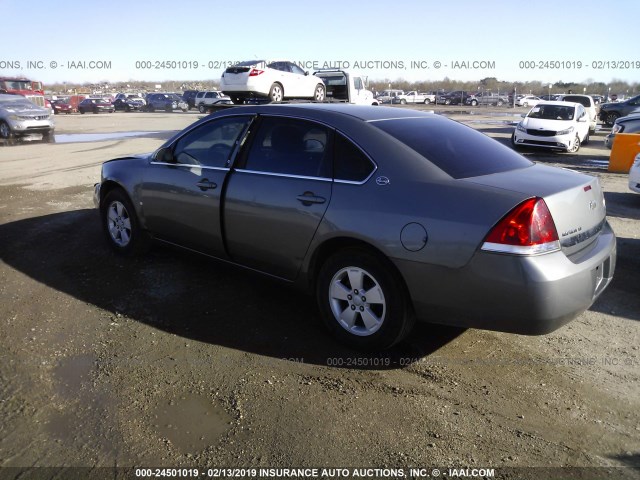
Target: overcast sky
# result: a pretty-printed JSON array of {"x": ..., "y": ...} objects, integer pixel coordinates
[{"x": 511, "y": 40}]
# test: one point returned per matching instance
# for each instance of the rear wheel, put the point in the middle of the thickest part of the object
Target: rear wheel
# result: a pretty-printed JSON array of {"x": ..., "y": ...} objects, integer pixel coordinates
[
  {"x": 403, "y": 101},
  {"x": 276, "y": 93},
  {"x": 427, "y": 101},
  {"x": 362, "y": 301},
  {"x": 201, "y": 108},
  {"x": 319, "y": 93},
  {"x": 120, "y": 225}
]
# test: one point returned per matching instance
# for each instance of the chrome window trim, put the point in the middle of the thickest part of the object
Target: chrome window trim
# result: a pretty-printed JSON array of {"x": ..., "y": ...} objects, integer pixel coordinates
[
  {"x": 395, "y": 118},
  {"x": 286, "y": 175},
  {"x": 375, "y": 165},
  {"x": 204, "y": 167}
]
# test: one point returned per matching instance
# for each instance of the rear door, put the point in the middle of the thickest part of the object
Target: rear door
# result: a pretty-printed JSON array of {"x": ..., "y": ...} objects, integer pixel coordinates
[{"x": 277, "y": 196}]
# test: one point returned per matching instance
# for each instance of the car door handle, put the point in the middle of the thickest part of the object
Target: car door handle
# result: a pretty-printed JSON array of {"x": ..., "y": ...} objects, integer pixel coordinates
[
  {"x": 205, "y": 184},
  {"x": 308, "y": 198}
]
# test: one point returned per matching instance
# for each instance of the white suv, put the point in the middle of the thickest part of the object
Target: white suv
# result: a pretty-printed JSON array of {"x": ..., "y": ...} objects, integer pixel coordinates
[
  {"x": 273, "y": 80},
  {"x": 587, "y": 102},
  {"x": 204, "y": 99}
]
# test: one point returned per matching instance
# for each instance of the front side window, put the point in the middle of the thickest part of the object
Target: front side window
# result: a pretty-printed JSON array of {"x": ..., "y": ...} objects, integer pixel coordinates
[
  {"x": 210, "y": 144},
  {"x": 290, "y": 147}
]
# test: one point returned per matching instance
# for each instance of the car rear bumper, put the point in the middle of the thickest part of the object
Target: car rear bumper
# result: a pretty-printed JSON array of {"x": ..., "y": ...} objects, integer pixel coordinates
[{"x": 530, "y": 295}]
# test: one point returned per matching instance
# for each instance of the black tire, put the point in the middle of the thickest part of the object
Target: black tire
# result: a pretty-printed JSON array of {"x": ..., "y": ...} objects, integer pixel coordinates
[
  {"x": 81, "y": 111},
  {"x": 403, "y": 101},
  {"x": 390, "y": 320},
  {"x": 427, "y": 101},
  {"x": 201, "y": 108},
  {"x": 6, "y": 135},
  {"x": 513, "y": 141},
  {"x": 611, "y": 118},
  {"x": 168, "y": 108},
  {"x": 276, "y": 93},
  {"x": 575, "y": 146},
  {"x": 121, "y": 226},
  {"x": 500, "y": 103},
  {"x": 95, "y": 111},
  {"x": 587, "y": 138},
  {"x": 525, "y": 104},
  {"x": 150, "y": 108},
  {"x": 319, "y": 93},
  {"x": 474, "y": 103},
  {"x": 447, "y": 102},
  {"x": 49, "y": 137}
]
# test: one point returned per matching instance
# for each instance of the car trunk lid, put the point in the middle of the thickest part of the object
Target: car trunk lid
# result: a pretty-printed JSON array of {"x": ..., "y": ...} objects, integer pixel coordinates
[{"x": 576, "y": 202}]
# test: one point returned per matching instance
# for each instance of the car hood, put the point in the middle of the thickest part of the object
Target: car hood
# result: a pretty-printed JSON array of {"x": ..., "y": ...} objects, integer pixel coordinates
[
  {"x": 24, "y": 109},
  {"x": 544, "y": 124}
]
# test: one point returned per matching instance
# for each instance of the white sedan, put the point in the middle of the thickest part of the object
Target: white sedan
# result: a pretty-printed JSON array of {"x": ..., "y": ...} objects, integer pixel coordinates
[
  {"x": 528, "y": 101},
  {"x": 634, "y": 175},
  {"x": 556, "y": 125}
]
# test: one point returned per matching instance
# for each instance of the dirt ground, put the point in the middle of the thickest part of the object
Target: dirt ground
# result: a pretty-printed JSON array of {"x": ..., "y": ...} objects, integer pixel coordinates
[{"x": 173, "y": 360}]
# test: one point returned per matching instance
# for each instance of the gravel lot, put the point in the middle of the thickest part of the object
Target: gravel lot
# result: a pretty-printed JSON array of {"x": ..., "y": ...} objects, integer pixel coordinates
[{"x": 173, "y": 360}]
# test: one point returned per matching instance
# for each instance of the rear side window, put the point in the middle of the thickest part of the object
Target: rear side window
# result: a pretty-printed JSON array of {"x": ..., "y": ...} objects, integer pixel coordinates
[
  {"x": 290, "y": 147},
  {"x": 350, "y": 163},
  {"x": 584, "y": 101},
  {"x": 458, "y": 150}
]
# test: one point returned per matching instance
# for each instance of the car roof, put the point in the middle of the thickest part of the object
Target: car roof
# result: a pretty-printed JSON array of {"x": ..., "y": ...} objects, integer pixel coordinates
[
  {"x": 557, "y": 103},
  {"x": 363, "y": 112}
]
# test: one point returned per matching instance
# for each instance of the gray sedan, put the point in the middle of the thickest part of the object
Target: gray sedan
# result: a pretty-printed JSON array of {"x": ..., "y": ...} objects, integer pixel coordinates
[{"x": 385, "y": 215}]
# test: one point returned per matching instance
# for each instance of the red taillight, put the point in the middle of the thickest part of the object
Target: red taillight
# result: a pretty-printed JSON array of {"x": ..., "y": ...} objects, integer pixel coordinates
[
  {"x": 527, "y": 229},
  {"x": 255, "y": 72}
]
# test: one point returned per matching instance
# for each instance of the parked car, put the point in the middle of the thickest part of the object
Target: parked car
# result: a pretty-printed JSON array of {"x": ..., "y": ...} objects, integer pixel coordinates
[
  {"x": 138, "y": 97},
  {"x": 598, "y": 99},
  {"x": 61, "y": 105},
  {"x": 609, "y": 112},
  {"x": 214, "y": 97},
  {"x": 549, "y": 98},
  {"x": 127, "y": 104},
  {"x": 587, "y": 102},
  {"x": 634, "y": 175},
  {"x": 388, "y": 96},
  {"x": 458, "y": 97},
  {"x": 627, "y": 124},
  {"x": 557, "y": 125},
  {"x": 414, "y": 97},
  {"x": 19, "y": 117},
  {"x": 270, "y": 80},
  {"x": 189, "y": 96},
  {"x": 167, "y": 102},
  {"x": 528, "y": 101},
  {"x": 96, "y": 105},
  {"x": 384, "y": 214},
  {"x": 487, "y": 98}
]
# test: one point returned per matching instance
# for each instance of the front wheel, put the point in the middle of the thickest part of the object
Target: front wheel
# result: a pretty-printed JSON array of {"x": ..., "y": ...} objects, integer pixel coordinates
[
  {"x": 362, "y": 302},
  {"x": 276, "y": 94},
  {"x": 427, "y": 101},
  {"x": 587, "y": 138},
  {"x": 474, "y": 103},
  {"x": 201, "y": 108},
  {"x": 120, "y": 225},
  {"x": 500, "y": 103},
  {"x": 610, "y": 119},
  {"x": 319, "y": 93},
  {"x": 575, "y": 146}
]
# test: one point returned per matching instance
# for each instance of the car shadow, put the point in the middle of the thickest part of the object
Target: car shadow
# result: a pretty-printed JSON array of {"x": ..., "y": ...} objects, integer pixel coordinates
[
  {"x": 623, "y": 204},
  {"x": 621, "y": 297},
  {"x": 190, "y": 295}
]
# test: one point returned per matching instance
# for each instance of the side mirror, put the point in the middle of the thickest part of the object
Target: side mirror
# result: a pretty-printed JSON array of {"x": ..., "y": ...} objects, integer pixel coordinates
[{"x": 165, "y": 155}]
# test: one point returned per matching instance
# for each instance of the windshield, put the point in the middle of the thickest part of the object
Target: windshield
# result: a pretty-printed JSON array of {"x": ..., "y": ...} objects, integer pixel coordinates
[
  {"x": 553, "y": 112},
  {"x": 16, "y": 85},
  {"x": 20, "y": 104}
]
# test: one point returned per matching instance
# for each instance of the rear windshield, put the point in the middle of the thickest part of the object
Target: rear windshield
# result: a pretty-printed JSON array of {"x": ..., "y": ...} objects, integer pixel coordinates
[
  {"x": 584, "y": 101},
  {"x": 458, "y": 150}
]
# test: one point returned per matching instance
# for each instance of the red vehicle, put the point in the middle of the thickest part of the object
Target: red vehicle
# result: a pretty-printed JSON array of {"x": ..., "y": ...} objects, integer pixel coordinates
[{"x": 23, "y": 86}]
